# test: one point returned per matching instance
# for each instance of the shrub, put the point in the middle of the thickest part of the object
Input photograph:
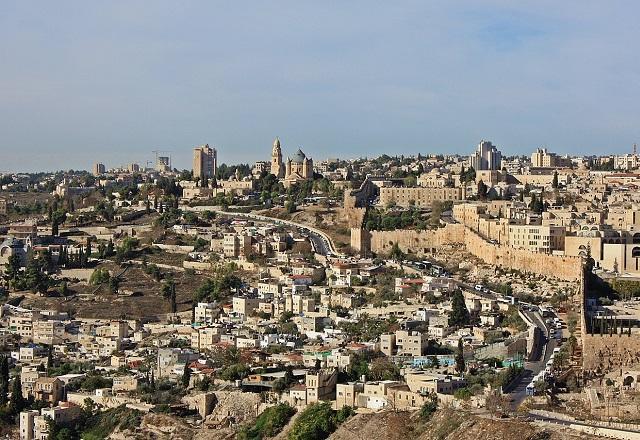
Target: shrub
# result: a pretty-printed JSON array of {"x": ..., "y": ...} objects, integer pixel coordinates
[
  {"x": 101, "y": 425},
  {"x": 462, "y": 393},
  {"x": 317, "y": 422},
  {"x": 268, "y": 424},
  {"x": 99, "y": 276},
  {"x": 428, "y": 408}
]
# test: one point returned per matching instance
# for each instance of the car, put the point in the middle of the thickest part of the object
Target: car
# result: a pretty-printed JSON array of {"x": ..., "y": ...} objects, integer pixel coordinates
[{"x": 478, "y": 287}]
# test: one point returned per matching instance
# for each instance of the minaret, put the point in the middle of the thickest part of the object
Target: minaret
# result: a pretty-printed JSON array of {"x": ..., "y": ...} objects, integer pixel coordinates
[{"x": 276, "y": 160}]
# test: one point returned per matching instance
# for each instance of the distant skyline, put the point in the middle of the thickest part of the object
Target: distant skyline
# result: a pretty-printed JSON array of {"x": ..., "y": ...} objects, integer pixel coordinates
[{"x": 85, "y": 82}]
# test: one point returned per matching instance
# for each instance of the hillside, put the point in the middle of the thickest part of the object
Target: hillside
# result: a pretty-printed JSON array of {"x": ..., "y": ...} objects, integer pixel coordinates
[{"x": 445, "y": 425}]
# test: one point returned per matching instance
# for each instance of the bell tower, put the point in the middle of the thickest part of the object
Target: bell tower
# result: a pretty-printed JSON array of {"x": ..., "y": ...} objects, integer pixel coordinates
[{"x": 276, "y": 160}]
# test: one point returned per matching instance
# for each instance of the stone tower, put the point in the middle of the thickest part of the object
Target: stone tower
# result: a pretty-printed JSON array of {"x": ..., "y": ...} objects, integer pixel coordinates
[{"x": 277, "y": 167}]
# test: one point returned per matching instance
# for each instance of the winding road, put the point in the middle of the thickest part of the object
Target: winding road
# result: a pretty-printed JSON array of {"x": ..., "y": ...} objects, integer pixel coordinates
[{"x": 322, "y": 243}]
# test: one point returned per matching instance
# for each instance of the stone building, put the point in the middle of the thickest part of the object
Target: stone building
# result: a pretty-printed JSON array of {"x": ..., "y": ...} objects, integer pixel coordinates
[
  {"x": 403, "y": 342},
  {"x": 541, "y": 158},
  {"x": 297, "y": 168},
  {"x": 3, "y": 206},
  {"x": 486, "y": 157},
  {"x": 98, "y": 169},
  {"x": 205, "y": 162},
  {"x": 277, "y": 167},
  {"x": 48, "y": 389},
  {"x": 421, "y": 197}
]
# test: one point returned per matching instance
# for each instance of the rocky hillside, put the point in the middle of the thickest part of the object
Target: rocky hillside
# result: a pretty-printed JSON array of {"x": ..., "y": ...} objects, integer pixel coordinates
[{"x": 445, "y": 425}]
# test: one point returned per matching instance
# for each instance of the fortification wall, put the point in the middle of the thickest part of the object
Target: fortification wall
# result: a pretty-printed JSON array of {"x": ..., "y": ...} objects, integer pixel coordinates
[
  {"x": 422, "y": 242},
  {"x": 562, "y": 267},
  {"x": 353, "y": 217},
  {"x": 359, "y": 197},
  {"x": 417, "y": 242}
]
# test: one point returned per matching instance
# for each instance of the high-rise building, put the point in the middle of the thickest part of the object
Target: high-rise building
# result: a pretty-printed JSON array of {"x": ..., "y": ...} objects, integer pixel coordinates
[
  {"x": 163, "y": 164},
  {"x": 98, "y": 169},
  {"x": 133, "y": 168},
  {"x": 205, "y": 162},
  {"x": 486, "y": 157},
  {"x": 541, "y": 158}
]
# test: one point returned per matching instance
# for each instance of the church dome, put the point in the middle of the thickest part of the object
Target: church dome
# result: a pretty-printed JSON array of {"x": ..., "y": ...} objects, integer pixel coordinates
[
  {"x": 298, "y": 157},
  {"x": 276, "y": 144}
]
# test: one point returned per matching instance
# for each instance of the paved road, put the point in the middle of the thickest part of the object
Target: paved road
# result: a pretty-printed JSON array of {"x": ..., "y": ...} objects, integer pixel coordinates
[
  {"x": 518, "y": 394},
  {"x": 322, "y": 243}
]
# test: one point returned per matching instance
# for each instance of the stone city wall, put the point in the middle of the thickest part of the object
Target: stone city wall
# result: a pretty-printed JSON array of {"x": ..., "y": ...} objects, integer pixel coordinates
[
  {"x": 417, "y": 242},
  {"x": 562, "y": 267},
  {"x": 423, "y": 242}
]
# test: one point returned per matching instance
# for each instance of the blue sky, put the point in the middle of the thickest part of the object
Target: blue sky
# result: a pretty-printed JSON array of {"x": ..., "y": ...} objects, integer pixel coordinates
[{"x": 110, "y": 81}]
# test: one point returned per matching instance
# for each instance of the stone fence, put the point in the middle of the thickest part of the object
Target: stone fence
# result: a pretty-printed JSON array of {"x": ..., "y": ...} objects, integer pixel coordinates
[{"x": 174, "y": 248}]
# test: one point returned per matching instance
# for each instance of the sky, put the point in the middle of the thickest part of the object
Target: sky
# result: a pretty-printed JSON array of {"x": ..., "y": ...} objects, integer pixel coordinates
[{"x": 84, "y": 82}]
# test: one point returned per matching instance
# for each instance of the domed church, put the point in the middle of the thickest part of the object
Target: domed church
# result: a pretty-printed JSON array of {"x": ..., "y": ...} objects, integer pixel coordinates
[{"x": 297, "y": 168}]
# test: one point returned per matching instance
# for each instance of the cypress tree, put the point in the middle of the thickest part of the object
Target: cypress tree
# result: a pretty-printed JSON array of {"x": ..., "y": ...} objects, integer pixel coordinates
[
  {"x": 4, "y": 380},
  {"x": 459, "y": 315},
  {"x": 460, "y": 365},
  {"x": 16, "y": 403},
  {"x": 186, "y": 376}
]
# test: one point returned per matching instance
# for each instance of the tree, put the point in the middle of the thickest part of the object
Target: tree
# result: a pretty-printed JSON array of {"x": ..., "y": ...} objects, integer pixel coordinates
[
  {"x": 99, "y": 276},
  {"x": 34, "y": 278},
  {"x": 4, "y": 380},
  {"x": 429, "y": 407},
  {"x": 169, "y": 292},
  {"x": 290, "y": 207},
  {"x": 268, "y": 424},
  {"x": 314, "y": 423},
  {"x": 12, "y": 268},
  {"x": 49, "y": 357},
  {"x": 234, "y": 372},
  {"x": 554, "y": 183},
  {"x": 482, "y": 190},
  {"x": 114, "y": 284},
  {"x": 459, "y": 315},
  {"x": 383, "y": 369},
  {"x": 536, "y": 204},
  {"x": 17, "y": 402},
  {"x": 57, "y": 217},
  {"x": 396, "y": 253},
  {"x": 460, "y": 365},
  {"x": 410, "y": 181},
  {"x": 109, "y": 251},
  {"x": 186, "y": 376}
]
